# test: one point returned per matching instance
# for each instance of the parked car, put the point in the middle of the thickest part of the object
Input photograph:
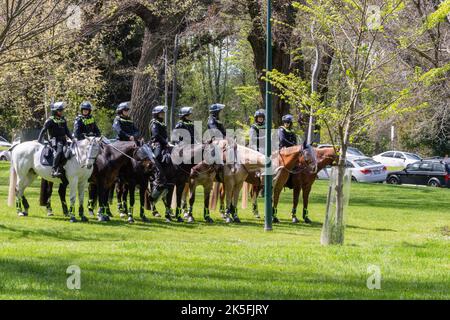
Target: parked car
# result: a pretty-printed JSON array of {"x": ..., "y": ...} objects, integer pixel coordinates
[
  {"x": 351, "y": 151},
  {"x": 5, "y": 155},
  {"x": 364, "y": 169},
  {"x": 435, "y": 173},
  {"x": 396, "y": 158}
]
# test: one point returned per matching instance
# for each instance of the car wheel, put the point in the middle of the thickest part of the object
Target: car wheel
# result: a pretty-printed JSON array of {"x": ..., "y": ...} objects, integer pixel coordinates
[
  {"x": 3, "y": 158},
  {"x": 434, "y": 183},
  {"x": 393, "y": 180},
  {"x": 354, "y": 179}
]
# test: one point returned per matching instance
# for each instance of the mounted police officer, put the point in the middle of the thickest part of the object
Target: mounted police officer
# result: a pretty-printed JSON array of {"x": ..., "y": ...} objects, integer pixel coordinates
[
  {"x": 85, "y": 125},
  {"x": 287, "y": 137},
  {"x": 160, "y": 143},
  {"x": 186, "y": 123},
  {"x": 58, "y": 132},
  {"x": 213, "y": 120},
  {"x": 123, "y": 125},
  {"x": 257, "y": 131}
]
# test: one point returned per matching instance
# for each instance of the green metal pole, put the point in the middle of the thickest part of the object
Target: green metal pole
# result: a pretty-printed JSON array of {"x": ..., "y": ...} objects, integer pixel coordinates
[{"x": 268, "y": 177}]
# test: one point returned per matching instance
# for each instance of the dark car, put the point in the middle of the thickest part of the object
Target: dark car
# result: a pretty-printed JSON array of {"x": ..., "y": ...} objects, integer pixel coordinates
[{"x": 435, "y": 173}]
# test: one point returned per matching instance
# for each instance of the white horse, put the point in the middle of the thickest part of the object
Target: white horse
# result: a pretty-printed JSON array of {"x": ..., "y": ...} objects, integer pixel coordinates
[{"x": 26, "y": 166}]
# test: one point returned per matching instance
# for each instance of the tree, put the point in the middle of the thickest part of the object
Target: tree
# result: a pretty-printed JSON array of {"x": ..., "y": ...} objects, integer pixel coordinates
[{"x": 359, "y": 80}]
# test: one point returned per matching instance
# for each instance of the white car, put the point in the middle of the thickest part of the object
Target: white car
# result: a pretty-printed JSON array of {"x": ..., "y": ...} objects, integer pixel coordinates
[
  {"x": 4, "y": 143},
  {"x": 396, "y": 158},
  {"x": 363, "y": 169}
]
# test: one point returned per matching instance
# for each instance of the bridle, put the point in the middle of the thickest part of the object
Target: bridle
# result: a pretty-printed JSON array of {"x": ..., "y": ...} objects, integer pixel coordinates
[{"x": 301, "y": 169}]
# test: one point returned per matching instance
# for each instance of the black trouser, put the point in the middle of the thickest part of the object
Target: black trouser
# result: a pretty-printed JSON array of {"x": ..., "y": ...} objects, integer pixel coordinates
[
  {"x": 58, "y": 145},
  {"x": 160, "y": 177}
]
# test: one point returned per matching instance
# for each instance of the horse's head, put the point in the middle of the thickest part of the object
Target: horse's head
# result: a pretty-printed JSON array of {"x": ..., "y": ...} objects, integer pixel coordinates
[
  {"x": 309, "y": 157},
  {"x": 90, "y": 149},
  {"x": 144, "y": 154}
]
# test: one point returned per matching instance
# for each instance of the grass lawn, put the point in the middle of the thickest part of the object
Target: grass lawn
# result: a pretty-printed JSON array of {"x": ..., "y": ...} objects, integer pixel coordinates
[{"x": 403, "y": 230}]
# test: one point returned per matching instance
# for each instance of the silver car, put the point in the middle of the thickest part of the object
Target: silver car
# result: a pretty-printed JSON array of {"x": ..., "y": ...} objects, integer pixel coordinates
[{"x": 363, "y": 169}]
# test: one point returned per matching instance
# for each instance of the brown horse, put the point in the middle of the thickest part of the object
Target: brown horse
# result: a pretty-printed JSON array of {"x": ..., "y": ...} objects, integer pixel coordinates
[
  {"x": 283, "y": 163},
  {"x": 305, "y": 178}
]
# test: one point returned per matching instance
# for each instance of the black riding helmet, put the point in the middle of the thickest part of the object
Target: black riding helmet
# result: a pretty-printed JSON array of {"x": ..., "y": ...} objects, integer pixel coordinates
[
  {"x": 57, "y": 106},
  {"x": 185, "y": 111},
  {"x": 86, "y": 106},
  {"x": 260, "y": 113},
  {"x": 123, "y": 106},
  {"x": 288, "y": 118},
  {"x": 157, "y": 110}
]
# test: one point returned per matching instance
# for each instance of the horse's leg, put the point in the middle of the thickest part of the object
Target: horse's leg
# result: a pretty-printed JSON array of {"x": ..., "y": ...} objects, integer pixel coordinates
[
  {"x": 255, "y": 191},
  {"x": 235, "y": 201},
  {"x": 222, "y": 194},
  {"x": 103, "y": 193},
  {"x": 207, "y": 187},
  {"x": 62, "y": 197},
  {"x": 167, "y": 199},
  {"x": 49, "y": 191},
  {"x": 73, "y": 187},
  {"x": 142, "y": 188},
  {"x": 306, "y": 191},
  {"x": 81, "y": 188},
  {"x": 22, "y": 184},
  {"x": 184, "y": 203},
  {"x": 92, "y": 198},
  {"x": 130, "y": 190},
  {"x": 295, "y": 195},
  {"x": 229, "y": 206},
  {"x": 179, "y": 194}
]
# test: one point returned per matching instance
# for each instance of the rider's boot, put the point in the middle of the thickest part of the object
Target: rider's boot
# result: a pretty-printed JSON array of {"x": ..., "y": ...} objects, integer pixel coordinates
[
  {"x": 275, "y": 216},
  {"x": 305, "y": 216},
  {"x": 56, "y": 172},
  {"x": 207, "y": 216}
]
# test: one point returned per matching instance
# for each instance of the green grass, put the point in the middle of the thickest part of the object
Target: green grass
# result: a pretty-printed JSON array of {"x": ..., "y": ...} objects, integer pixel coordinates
[{"x": 404, "y": 230}]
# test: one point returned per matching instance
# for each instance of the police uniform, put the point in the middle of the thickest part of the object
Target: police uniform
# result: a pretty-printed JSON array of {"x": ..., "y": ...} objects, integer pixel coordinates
[
  {"x": 215, "y": 123},
  {"x": 85, "y": 126},
  {"x": 257, "y": 138},
  {"x": 287, "y": 137},
  {"x": 57, "y": 130},
  {"x": 125, "y": 128},
  {"x": 159, "y": 140},
  {"x": 186, "y": 125}
]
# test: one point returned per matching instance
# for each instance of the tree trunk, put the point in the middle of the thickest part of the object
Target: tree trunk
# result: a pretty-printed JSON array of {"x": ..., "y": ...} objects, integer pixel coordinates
[{"x": 148, "y": 82}]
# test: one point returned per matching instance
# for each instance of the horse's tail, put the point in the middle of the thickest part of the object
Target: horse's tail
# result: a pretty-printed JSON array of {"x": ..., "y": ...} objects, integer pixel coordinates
[
  {"x": 12, "y": 185},
  {"x": 173, "y": 203},
  {"x": 245, "y": 195},
  {"x": 214, "y": 195}
]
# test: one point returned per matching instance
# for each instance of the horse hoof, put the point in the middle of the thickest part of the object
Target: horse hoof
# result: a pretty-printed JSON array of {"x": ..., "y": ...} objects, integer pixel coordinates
[
  {"x": 50, "y": 214},
  {"x": 228, "y": 220},
  {"x": 306, "y": 219},
  {"x": 275, "y": 220},
  {"x": 236, "y": 220},
  {"x": 72, "y": 220},
  {"x": 22, "y": 214},
  {"x": 156, "y": 214},
  {"x": 130, "y": 220},
  {"x": 190, "y": 219},
  {"x": 257, "y": 216},
  {"x": 144, "y": 218},
  {"x": 123, "y": 215},
  {"x": 209, "y": 220},
  {"x": 110, "y": 215},
  {"x": 84, "y": 219},
  {"x": 168, "y": 218},
  {"x": 180, "y": 219},
  {"x": 91, "y": 213},
  {"x": 295, "y": 220}
]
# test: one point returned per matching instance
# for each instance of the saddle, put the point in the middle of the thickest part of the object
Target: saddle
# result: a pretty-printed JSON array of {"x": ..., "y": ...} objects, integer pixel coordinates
[{"x": 48, "y": 155}]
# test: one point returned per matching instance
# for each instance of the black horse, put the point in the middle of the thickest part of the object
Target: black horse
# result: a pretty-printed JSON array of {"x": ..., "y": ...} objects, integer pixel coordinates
[{"x": 112, "y": 160}]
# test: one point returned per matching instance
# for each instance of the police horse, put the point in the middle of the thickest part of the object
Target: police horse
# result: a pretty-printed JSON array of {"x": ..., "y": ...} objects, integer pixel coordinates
[{"x": 28, "y": 162}]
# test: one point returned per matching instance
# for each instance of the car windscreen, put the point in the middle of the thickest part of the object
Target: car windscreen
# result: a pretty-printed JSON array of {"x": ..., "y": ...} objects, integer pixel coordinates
[
  {"x": 366, "y": 162},
  {"x": 412, "y": 156},
  {"x": 355, "y": 151}
]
